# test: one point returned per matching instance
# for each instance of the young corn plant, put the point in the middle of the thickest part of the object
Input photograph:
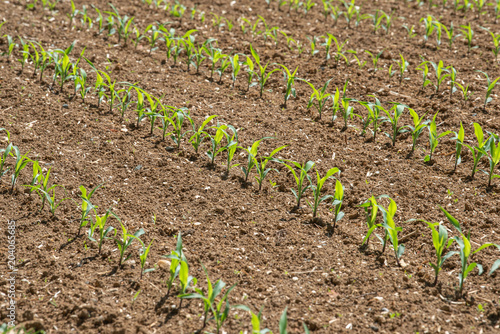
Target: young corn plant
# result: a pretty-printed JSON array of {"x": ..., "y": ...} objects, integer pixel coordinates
[
  {"x": 100, "y": 223},
  {"x": 403, "y": 66},
  {"x": 478, "y": 151},
  {"x": 425, "y": 73},
  {"x": 346, "y": 110},
  {"x": 441, "y": 243},
  {"x": 374, "y": 116},
  {"x": 4, "y": 153},
  {"x": 429, "y": 26},
  {"x": 198, "y": 58},
  {"x": 252, "y": 154},
  {"x": 392, "y": 230},
  {"x": 261, "y": 75},
  {"x": 220, "y": 311},
  {"x": 398, "y": 110},
  {"x": 199, "y": 134},
  {"x": 21, "y": 162},
  {"x": 494, "y": 157},
  {"x": 289, "y": 78},
  {"x": 86, "y": 206},
  {"x": 316, "y": 189},
  {"x": 375, "y": 58},
  {"x": 250, "y": 70},
  {"x": 235, "y": 67},
  {"x": 176, "y": 257},
  {"x": 216, "y": 140},
  {"x": 450, "y": 33},
  {"x": 230, "y": 148},
  {"x": 318, "y": 98},
  {"x": 226, "y": 61},
  {"x": 417, "y": 128},
  {"x": 453, "y": 79},
  {"x": 300, "y": 178},
  {"x": 371, "y": 209},
  {"x": 143, "y": 257},
  {"x": 466, "y": 93},
  {"x": 214, "y": 54},
  {"x": 314, "y": 41},
  {"x": 434, "y": 138},
  {"x": 496, "y": 43},
  {"x": 256, "y": 319},
  {"x": 261, "y": 163},
  {"x": 468, "y": 34},
  {"x": 338, "y": 200},
  {"x": 439, "y": 70},
  {"x": 152, "y": 37},
  {"x": 489, "y": 89},
  {"x": 466, "y": 252},
  {"x": 459, "y": 140},
  {"x": 177, "y": 121},
  {"x": 124, "y": 242}
]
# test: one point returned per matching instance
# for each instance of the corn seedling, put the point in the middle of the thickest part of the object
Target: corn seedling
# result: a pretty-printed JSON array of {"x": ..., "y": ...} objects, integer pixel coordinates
[
  {"x": 449, "y": 33},
  {"x": 494, "y": 157},
  {"x": 338, "y": 200},
  {"x": 425, "y": 73},
  {"x": 143, "y": 256},
  {"x": 100, "y": 223},
  {"x": 351, "y": 11},
  {"x": 316, "y": 189},
  {"x": 374, "y": 116},
  {"x": 256, "y": 319},
  {"x": 388, "y": 22},
  {"x": 403, "y": 66},
  {"x": 261, "y": 75},
  {"x": 11, "y": 44},
  {"x": 86, "y": 206},
  {"x": 261, "y": 163},
  {"x": 453, "y": 78},
  {"x": 417, "y": 128},
  {"x": 225, "y": 63},
  {"x": 371, "y": 209},
  {"x": 434, "y": 137},
  {"x": 318, "y": 98},
  {"x": 235, "y": 67},
  {"x": 25, "y": 53},
  {"x": 252, "y": 154},
  {"x": 289, "y": 78},
  {"x": 214, "y": 55},
  {"x": 394, "y": 119},
  {"x": 339, "y": 47},
  {"x": 153, "y": 37},
  {"x": 231, "y": 147},
  {"x": 489, "y": 88},
  {"x": 346, "y": 110},
  {"x": 466, "y": 94},
  {"x": 376, "y": 19},
  {"x": 176, "y": 257},
  {"x": 300, "y": 177},
  {"x": 478, "y": 151},
  {"x": 4, "y": 153},
  {"x": 429, "y": 27},
  {"x": 43, "y": 190},
  {"x": 80, "y": 82},
  {"x": 459, "y": 139},
  {"x": 199, "y": 134},
  {"x": 496, "y": 43},
  {"x": 468, "y": 34},
  {"x": 125, "y": 242},
  {"x": 37, "y": 176},
  {"x": 439, "y": 70},
  {"x": 441, "y": 242},
  {"x": 21, "y": 162},
  {"x": 198, "y": 58},
  {"x": 411, "y": 31},
  {"x": 314, "y": 41},
  {"x": 466, "y": 251},
  {"x": 218, "y": 310},
  {"x": 251, "y": 73},
  {"x": 216, "y": 140},
  {"x": 391, "y": 229},
  {"x": 375, "y": 58},
  {"x": 177, "y": 121}
]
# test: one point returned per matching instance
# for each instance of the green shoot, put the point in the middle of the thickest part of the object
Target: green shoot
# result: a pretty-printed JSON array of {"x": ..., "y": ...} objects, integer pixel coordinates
[
  {"x": 318, "y": 98},
  {"x": 21, "y": 162},
  {"x": 176, "y": 257},
  {"x": 300, "y": 177},
  {"x": 199, "y": 134},
  {"x": 466, "y": 251},
  {"x": 262, "y": 76},
  {"x": 252, "y": 154},
  {"x": 392, "y": 230},
  {"x": 103, "y": 231},
  {"x": 219, "y": 312},
  {"x": 434, "y": 138},
  {"x": 459, "y": 139},
  {"x": 417, "y": 128},
  {"x": 143, "y": 256},
  {"x": 489, "y": 89},
  {"x": 440, "y": 242},
  {"x": 494, "y": 158},
  {"x": 375, "y": 58},
  {"x": 468, "y": 34},
  {"x": 261, "y": 163},
  {"x": 289, "y": 80},
  {"x": 4, "y": 153},
  {"x": 316, "y": 189},
  {"x": 338, "y": 200},
  {"x": 125, "y": 242},
  {"x": 478, "y": 151},
  {"x": 394, "y": 119}
]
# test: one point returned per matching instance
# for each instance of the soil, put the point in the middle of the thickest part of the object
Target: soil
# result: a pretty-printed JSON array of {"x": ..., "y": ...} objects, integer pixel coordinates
[{"x": 278, "y": 256}]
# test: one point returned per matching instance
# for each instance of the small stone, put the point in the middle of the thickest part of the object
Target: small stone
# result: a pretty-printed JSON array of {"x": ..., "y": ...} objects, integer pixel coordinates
[
  {"x": 164, "y": 264},
  {"x": 468, "y": 207},
  {"x": 65, "y": 106}
]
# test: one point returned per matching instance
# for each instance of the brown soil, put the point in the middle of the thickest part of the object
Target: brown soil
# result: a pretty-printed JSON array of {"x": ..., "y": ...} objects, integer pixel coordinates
[{"x": 277, "y": 256}]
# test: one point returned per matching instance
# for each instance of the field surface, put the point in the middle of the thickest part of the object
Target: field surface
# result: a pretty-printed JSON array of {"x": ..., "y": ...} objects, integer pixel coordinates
[{"x": 278, "y": 255}]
